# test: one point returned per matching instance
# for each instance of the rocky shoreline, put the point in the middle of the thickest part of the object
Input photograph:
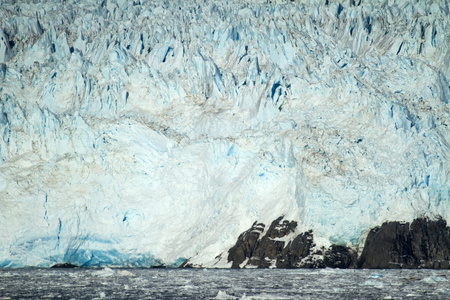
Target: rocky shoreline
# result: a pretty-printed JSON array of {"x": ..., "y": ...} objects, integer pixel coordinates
[{"x": 423, "y": 243}]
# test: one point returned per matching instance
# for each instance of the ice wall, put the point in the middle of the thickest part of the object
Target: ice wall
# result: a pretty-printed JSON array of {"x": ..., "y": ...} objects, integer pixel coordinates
[{"x": 141, "y": 132}]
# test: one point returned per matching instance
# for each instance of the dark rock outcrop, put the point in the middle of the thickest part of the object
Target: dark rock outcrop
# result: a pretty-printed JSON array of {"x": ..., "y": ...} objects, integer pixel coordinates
[
  {"x": 341, "y": 257},
  {"x": 273, "y": 249},
  {"x": 245, "y": 245},
  {"x": 422, "y": 244},
  {"x": 186, "y": 264},
  {"x": 159, "y": 267},
  {"x": 63, "y": 266},
  {"x": 270, "y": 248},
  {"x": 295, "y": 251}
]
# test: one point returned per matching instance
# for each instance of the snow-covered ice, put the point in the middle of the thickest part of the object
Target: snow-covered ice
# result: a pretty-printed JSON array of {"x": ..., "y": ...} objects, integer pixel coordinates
[{"x": 139, "y": 133}]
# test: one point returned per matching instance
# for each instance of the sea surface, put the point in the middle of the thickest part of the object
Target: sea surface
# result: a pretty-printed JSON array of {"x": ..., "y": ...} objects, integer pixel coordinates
[{"x": 223, "y": 284}]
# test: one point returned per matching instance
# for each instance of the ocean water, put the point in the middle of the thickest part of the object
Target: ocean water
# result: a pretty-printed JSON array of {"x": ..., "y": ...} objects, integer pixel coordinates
[{"x": 223, "y": 284}]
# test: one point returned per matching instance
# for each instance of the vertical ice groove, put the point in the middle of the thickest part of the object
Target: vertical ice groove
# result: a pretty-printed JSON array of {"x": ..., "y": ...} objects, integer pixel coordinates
[
  {"x": 225, "y": 113},
  {"x": 59, "y": 233}
]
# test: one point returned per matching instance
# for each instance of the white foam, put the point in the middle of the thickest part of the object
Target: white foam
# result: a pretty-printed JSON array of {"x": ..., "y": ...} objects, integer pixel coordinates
[
  {"x": 224, "y": 295},
  {"x": 105, "y": 272}
]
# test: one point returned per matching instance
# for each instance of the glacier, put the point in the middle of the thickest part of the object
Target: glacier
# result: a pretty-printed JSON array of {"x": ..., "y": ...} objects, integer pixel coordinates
[{"x": 143, "y": 133}]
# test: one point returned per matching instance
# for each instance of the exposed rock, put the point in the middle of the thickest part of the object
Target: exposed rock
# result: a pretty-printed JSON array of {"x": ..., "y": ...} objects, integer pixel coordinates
[
  {"x": 159, "y": 267},
  {"x": 245, "y": 245},
  {"x": 296, "y": 250},
  {"x": 269, "y": 248},
  {"x": 276, "y": 249},
  {"x": 422, "y": 244},
  {"x": 341, "y": 257},
  {"x": 64, "y": 266},
  {"x": 314, "y": 260},
  {"x": 186, "y": 264}
]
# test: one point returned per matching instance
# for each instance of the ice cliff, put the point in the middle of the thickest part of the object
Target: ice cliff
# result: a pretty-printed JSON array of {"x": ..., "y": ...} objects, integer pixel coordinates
[{"x": 139, "y": 133}]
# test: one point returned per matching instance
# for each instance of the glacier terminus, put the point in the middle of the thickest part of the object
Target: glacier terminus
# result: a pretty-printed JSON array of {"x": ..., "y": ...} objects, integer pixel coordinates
[{"x": 144, "y": 133}]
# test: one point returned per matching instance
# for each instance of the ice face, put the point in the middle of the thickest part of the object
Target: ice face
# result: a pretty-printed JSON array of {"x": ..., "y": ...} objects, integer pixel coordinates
[{"x": 144, "y": 132}]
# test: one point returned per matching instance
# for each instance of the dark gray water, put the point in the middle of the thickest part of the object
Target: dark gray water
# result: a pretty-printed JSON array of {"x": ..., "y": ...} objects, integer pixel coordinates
[{"x": 224, "y": 284}]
